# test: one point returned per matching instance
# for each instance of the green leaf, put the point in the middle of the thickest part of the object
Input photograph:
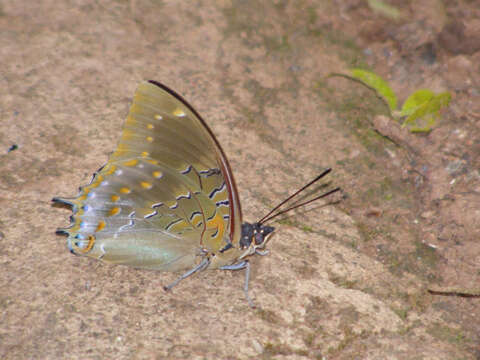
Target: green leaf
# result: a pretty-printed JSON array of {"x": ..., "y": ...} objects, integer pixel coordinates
[
  {"x": 384, "y": 9},
  {"x": 443, "y": 99},
  {"x": 378, "y": 84},
  {"x": 415, "y": 100},
  {"x": 424, "y": 116}
]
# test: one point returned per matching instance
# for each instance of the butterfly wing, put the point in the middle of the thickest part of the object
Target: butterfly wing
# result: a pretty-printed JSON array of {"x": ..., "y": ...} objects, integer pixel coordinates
[{"x": 166, "y": 195}]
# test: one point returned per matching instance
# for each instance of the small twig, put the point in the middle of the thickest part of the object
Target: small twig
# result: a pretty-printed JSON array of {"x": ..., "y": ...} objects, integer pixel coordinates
[{"x": 453, "y": 291}]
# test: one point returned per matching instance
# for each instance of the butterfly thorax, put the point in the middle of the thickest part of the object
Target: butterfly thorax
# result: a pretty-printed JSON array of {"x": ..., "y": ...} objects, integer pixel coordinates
[
  {"x": 252, "y": 240},
  {"x": 255, "y": 235}
]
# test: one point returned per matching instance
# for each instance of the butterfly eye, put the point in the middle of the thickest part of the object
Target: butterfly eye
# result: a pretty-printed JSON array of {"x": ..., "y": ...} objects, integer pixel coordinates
[{"x": 261, "y": 232}]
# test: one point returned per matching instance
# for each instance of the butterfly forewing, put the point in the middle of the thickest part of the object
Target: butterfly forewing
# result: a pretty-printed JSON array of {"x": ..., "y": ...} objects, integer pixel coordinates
[{"x": 165, "y": 196}]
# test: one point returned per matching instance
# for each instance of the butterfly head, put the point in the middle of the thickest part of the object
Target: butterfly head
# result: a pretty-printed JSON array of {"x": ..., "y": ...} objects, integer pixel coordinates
[{"x": 255, "y": 236}]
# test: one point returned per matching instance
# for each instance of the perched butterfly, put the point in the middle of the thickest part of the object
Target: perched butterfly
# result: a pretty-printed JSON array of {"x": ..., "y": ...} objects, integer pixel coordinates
[{"x": 166, "y": 199}]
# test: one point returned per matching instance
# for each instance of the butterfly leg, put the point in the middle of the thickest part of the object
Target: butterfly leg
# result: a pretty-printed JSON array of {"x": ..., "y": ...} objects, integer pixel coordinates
[
  {"x": 262, "y": 252},
  {"x": 203, "y": 264},
  {"x": 239, "y": 266}
]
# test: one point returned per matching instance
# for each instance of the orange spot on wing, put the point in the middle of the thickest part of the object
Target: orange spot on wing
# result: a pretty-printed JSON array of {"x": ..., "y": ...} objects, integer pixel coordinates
[
  {"x": 100, "y": 226},
  {"x": 179, "y": 113},
  {"x": 91, "y": 242},
  {"x": 114, "y": 211},
  {"x": 98, "y": 179},
  {"x": 217, "y": 222},
  {"x": 109, "y": 169},
  {"x": 131, "y": 162},
  {"x": 146, "y": 185}
]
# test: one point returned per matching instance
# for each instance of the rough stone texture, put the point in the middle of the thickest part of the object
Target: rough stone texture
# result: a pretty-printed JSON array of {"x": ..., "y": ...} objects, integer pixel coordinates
[{"x": 346, "y": 281}]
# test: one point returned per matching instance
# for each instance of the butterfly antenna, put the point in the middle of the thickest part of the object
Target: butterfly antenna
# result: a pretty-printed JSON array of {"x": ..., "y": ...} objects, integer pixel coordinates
[
  {"x": 301, "y": 204},
  {"x": 266, "y": 217}
]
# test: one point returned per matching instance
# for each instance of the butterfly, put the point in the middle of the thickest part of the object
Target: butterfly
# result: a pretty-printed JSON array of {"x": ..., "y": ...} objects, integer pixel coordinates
[{"x": 166, "y": 199}]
